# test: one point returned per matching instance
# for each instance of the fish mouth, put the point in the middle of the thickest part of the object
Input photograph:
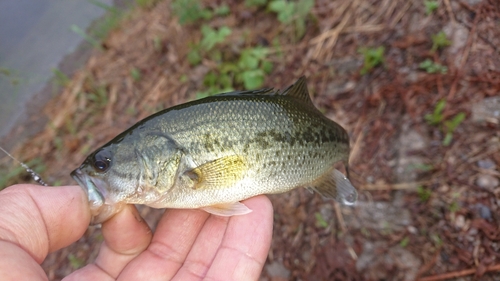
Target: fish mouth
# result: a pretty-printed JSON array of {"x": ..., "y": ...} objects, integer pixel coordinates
[{"x": 95, "y": 198}]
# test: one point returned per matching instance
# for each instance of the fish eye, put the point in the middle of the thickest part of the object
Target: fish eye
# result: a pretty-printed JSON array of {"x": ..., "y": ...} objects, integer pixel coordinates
[{"x": 102, "y": 160}]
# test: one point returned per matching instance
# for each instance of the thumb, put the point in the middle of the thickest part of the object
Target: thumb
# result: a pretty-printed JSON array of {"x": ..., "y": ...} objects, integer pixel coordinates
[{"x": 42, "y": 219}]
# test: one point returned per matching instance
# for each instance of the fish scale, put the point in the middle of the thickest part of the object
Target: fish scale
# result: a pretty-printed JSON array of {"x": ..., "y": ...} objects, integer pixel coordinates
[{"x": 214, "y": 152}]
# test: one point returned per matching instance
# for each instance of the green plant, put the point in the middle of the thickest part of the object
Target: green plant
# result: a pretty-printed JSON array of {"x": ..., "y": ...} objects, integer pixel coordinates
[
  {"x": 136, "y": 74},
  {"x": 294, "y": 13},
  {"x": 436, "y": 116},
  {"x": 212, "y": 37},
  {"x": 60, "y": 77},
  {"x": 75, "y": 261},
  {"x": 439, "y": 41},
  {"x": 372, "y": 57},
  {"x": 146, "y": 4},
  {"x": 253, "y": 67},
  {"x": 222, "y": 10},
  {"x": 255, "y": 3},
  {"x": 320, "y": 221},
  {"x": 450, "y": 126},
  {"x": 423, "y": 193},
  {"x": 190, "y": 11},
  {"x": 101, "y": 28},
  {"x": 454, "y": 207},
  {"x": 432, "y": 67},
  {"x": 430, "y": 6},
  {"x": 404, "y": 242}
]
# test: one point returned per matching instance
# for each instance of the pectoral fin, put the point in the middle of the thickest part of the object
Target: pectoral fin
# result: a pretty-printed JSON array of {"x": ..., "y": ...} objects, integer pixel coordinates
[
  {"x": 335, "y": 185},
  {"x": 219, "y": 173},
  {"x": 226, "y": 210}
]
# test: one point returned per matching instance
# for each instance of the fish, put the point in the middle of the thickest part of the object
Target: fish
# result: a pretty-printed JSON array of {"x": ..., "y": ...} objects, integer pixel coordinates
[{"x": 214, "y": 152}]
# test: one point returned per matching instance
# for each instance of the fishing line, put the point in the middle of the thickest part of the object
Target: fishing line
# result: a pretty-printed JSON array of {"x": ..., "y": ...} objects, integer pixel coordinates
[{"x": 36, "y": 177}]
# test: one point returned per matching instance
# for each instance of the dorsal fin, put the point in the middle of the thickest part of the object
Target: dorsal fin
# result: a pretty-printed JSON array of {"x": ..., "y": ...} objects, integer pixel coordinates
[
  {"x": 299, "y": 91},
  {"x": 265, "y": 91}
]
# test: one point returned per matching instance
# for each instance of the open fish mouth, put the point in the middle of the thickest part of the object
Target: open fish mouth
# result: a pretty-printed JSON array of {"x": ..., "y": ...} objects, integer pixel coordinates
[{"x": 96, "y": 200}]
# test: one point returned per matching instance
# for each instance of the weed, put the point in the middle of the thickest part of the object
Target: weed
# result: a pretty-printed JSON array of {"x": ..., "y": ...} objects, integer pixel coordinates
[
  {"x": 422, "y": 167},
  {"x": 320, "y": 221},
  {"x": 404, "y": 242},
  {"x": 372, "y": 58},
  {"x": 212, "y": 37},
  {"x": 222, "y": 10},
  {"x": 454, "y": 207},
  {"x": 294, "y": 13},
  {"x": 91, "y": 40},
  {"x": 423, "y": 193},
  {"x": 436, "y": 116},
  {"x": 432, "y": 67},
  {"x": 430, "y": 6},
  {"x": 255, "y": 3},
  {"x": 437, "y": 240},
  {"x": 60, "y": 78},
  {"x": 136, "y": 74},
  {"x": 253, "y": 67},
  {"x": 439, "y": 41},
  {"x": 102, "y": 27},
  {"x": 146, "y": 4},
  {"x": 450, "y": 126},
  {"x": 157, "y": 43},
  {"x": 75, "y": 261},
  {"x": 190, "y": 11}
]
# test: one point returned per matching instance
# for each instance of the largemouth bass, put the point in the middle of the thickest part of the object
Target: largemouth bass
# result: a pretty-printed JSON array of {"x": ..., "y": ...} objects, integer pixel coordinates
[{"x": 214, "y": 152}]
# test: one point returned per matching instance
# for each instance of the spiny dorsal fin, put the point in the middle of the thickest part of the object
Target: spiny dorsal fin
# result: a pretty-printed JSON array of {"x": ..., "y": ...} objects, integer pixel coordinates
[
  {"x": 265, "y": 91},
  {"x": 299, "y": 90}
]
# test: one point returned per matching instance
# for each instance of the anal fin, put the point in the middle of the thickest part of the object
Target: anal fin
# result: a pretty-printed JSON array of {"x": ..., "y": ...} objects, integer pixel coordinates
[
  {"x": 337, "y": 186},
  {"x": 227, "y": 210}
]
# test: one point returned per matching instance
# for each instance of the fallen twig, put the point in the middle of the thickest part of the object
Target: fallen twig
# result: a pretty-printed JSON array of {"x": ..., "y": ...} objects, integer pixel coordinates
[{"x": 459, "y": 273}]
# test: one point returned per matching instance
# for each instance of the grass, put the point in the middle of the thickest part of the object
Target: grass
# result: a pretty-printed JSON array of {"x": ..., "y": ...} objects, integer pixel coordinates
[
  {"x": 436, "y": 118},
  {"x": 320, "y": 221},
  {"x": 372, "y": 57},
  {"x": 439, "y": 41},
  {"x": 432, "y": 67},
  {"x": 430, "y": 6}
]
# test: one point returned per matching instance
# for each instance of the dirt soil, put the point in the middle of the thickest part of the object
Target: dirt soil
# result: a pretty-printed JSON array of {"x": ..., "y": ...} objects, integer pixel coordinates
[{"x": 426, "y": 211}]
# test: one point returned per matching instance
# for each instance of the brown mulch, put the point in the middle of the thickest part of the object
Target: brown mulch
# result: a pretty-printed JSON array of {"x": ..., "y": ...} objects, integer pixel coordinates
[{"x": 452, "y": 234}]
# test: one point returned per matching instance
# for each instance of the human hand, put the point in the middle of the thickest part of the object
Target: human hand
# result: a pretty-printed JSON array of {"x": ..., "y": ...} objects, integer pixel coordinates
[{"x": 187, "y": 244}]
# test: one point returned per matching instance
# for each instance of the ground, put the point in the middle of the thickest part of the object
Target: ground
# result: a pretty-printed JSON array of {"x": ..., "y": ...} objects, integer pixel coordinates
[{"x": 422, "y": 113}]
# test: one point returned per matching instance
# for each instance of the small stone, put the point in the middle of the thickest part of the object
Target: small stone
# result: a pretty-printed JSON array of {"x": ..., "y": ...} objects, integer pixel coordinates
[
  {"x": 487, "y": 110},
  {"x": 277, "y": 269},
  {"x": 412, "y": 229},
  {"x": 487, "y": 164},
  {"x": 487, "y": 181},
  {"x": 484, "y": 211},
  {"x": 460, "y": 222}
]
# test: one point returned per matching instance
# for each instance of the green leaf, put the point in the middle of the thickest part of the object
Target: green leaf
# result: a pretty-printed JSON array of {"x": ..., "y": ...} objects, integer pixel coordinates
[
  {"x": 452, "y": 124},
  {"x": 320, "y": 221},
  {"x": 284, "y": 9},
  {"x": 267, "y": 66},
  {"x": 211, "y": 37},
  {"x": 252, "y": 79},
  {"x": 430, "y": 6},
  {"x": 255, "y": 3},
  {"x": 439, "y": 41},
  {"x": 222, "y": 10}
]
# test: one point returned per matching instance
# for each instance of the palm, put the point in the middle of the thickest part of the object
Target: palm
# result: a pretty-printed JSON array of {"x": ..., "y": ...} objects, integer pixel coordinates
[{"x": 187, "y": 245}]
